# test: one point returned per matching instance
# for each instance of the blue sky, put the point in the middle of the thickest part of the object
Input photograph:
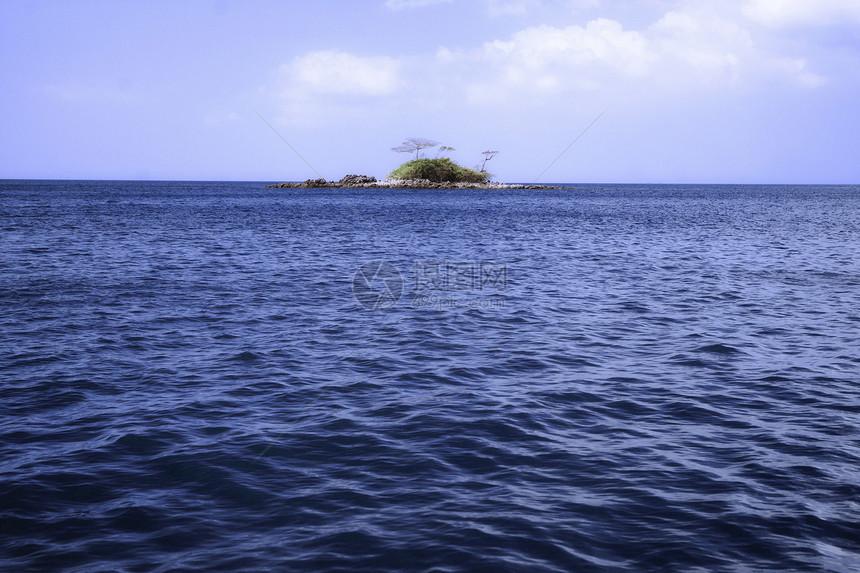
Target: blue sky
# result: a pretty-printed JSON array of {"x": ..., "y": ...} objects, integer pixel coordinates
[{"x": 736, "y": 91}]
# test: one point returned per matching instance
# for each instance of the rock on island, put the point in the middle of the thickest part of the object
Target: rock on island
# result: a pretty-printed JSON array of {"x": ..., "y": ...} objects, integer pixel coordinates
[{"x": 367, "y": 181}]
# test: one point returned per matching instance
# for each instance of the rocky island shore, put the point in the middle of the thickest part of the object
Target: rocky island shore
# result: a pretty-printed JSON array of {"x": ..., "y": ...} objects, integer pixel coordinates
[{"x": 366, "y": 181}]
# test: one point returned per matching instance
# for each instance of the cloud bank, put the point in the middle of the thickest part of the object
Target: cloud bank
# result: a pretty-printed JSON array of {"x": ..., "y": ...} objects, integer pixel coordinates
[
  {"x": 693, "y": 49},
  {"x": 802, "y": 12}
]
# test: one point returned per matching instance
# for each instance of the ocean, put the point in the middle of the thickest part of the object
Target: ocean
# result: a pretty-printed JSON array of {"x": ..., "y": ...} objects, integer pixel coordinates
[{"x": 205, "y": 376}]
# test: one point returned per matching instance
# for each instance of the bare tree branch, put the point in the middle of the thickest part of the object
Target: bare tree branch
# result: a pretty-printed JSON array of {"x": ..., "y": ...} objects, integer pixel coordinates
[{"x": 487, "y": 156}]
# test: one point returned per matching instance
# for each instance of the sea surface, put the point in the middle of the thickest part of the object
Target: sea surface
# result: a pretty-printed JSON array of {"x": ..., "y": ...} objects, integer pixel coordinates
[{"x": 219, "y": 376}]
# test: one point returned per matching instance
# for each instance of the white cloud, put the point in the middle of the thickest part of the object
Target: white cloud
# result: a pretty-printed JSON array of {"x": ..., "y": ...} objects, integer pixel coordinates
[
  {"x": 713, "y": 49},
  {"x": 693, "y": 48},
  {"x": 541, "y": 48},
  {"x": 326, "y": 86},
  {"x": 796, "y": 68},
  {"x": 802, "y": 12},
  {"x": 331, "y": 72},
  {"x": 446, "y": 56},
  {"x": 709, "y": 48},
  {"x": 410, "y": 4}
]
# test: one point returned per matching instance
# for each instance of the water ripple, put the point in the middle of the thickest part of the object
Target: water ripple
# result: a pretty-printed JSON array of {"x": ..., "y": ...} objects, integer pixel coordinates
[{"x": 188, "y": 383}]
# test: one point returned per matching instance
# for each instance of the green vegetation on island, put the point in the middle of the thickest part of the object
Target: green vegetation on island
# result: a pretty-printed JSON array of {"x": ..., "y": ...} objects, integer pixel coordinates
[{"x": 438, "y": 169}]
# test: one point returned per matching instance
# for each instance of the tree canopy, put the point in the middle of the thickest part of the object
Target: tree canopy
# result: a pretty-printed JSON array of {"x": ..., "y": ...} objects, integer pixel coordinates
[
  {"x": 415, "y": 145},
  {"x": 439, "y": 170}
]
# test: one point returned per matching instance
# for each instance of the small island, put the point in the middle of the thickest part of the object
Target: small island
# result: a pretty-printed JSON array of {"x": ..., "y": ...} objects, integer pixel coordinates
[{"x": 421, "y": 173}]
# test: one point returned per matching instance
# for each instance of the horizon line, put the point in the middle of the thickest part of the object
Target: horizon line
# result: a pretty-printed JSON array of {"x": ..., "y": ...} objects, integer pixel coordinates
[{"x": 158, "y": 180}]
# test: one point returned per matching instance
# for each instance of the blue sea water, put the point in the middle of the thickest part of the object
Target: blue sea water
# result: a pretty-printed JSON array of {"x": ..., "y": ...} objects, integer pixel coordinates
[{"x": 220, "y": 376}]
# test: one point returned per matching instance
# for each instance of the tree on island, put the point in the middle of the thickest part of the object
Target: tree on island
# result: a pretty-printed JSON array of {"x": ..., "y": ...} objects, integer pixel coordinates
[
  {"x": 487, "y": 156},
  {"x": 439, "y": 169},
  {"x": 415, "y": 145}
]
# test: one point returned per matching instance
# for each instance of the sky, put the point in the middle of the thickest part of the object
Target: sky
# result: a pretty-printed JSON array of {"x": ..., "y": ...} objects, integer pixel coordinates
[{"x": 610, "y": 91}]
